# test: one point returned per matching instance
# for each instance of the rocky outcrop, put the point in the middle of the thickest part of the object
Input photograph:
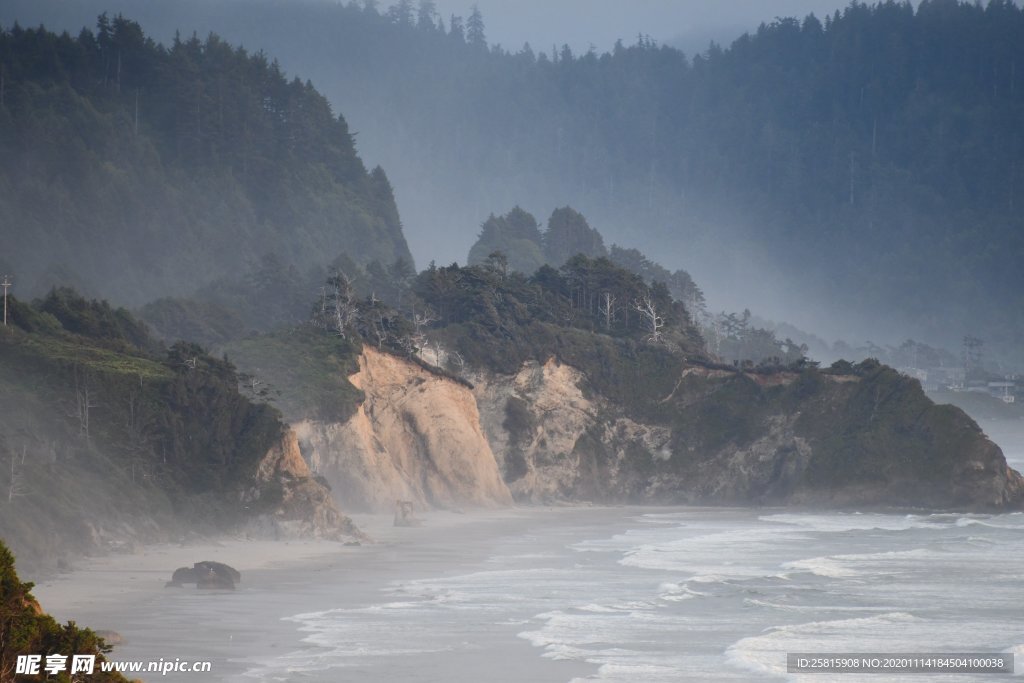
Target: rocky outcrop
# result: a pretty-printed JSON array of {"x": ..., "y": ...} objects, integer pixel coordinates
[
  {"x": 291, "y": 502},
  {"x": 727, "y": 437},
  {"x": 416, "y": 437},
  {"x": 554, "y": 442},
  {"x": 206, "y": 574}
]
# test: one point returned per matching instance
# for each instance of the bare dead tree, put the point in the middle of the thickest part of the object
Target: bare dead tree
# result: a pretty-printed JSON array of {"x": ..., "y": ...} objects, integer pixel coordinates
[
  {"x": 380, "y": 328},
  {"x": 609, "y": 308},
  {"x": 338, "y": 305},
  {"x": 337, "y": 308},
  {"x": 420, "y": 322},
  {"x": 652, "y": 321},
  {"x": 456, "y": 362},
  {"x": 84, "y": 402},
  {"x": 439, "y": 354}
]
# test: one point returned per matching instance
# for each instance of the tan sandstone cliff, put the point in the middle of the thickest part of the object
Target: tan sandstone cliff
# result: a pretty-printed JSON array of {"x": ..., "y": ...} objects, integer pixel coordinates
[{"x": 416, "y": 436}]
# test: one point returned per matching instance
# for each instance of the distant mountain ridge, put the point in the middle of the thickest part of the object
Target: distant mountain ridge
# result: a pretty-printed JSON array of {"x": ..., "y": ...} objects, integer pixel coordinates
[{"x": 865, "y": 165}]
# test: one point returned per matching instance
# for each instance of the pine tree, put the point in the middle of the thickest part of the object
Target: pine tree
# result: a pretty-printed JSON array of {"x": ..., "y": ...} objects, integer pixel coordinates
[
  {"x": 475, "y": 29},
  {"x": 569, "y": 234}
]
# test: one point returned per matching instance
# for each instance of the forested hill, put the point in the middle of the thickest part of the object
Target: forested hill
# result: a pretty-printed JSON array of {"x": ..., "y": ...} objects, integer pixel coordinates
[
  {"x": 872, "y": 158},
  {"x": 135, "y": 170}
]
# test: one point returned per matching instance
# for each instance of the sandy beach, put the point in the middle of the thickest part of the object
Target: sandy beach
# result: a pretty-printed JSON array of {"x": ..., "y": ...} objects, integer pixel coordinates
[{"x": 235, "y": 630}]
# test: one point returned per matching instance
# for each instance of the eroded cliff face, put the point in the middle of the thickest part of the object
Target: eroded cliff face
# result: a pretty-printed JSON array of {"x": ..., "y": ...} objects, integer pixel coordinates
[
  {"x": 725, "y": 437},
  {"x": 720, "y": 436},
  {"x": 290, "y": 501},
  {"x": 554, "y": 442},
  {"x": 416, "y": 437}
]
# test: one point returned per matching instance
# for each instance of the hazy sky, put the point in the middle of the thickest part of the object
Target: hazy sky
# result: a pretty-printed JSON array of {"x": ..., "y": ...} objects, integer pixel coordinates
[{"x": 689, "y": 24}]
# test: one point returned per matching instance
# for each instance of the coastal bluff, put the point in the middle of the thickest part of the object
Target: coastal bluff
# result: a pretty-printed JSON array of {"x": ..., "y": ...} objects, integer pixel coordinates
[{"x": 862, "y": 436}]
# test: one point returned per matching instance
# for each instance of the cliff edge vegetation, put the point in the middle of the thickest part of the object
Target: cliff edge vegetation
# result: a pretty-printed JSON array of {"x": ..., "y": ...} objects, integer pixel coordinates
[
  {"x": 590, "y": 383},
  {"x": 107, "y": 438}
]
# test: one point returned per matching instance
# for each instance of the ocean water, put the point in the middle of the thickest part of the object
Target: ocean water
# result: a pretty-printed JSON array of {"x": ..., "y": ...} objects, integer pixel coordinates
[{"x": 687, "y": 594}]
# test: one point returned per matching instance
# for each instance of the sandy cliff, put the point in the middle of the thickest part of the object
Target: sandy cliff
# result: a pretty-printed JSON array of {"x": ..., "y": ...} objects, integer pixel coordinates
[{"x": 416, "y": 436}]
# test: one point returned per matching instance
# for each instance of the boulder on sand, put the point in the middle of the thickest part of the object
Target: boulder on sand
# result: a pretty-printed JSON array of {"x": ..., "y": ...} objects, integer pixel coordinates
[
  {"x": 206, "y": 574},
  {"x": 212, "y": 575},
  {"x": 181, "y": 576},
  {"x": 220, "y": 568}
]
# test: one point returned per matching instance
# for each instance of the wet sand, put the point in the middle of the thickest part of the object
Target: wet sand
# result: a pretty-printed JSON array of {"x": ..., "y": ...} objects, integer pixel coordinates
[{"x": 234, "y": 630}]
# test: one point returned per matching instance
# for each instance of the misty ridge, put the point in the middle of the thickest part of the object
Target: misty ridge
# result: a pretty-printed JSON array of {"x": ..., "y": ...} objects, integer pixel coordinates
[{"x": 856, "y": 174}]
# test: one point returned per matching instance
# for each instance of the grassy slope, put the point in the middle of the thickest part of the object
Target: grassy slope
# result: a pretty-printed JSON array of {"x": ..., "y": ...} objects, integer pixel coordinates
[{"x": 304, "y": 370}]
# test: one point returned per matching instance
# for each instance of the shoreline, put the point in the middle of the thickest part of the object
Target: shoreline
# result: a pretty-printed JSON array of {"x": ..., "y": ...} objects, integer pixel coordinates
[
  {"x": 531, "y": 594},
  {"x": 238, "y": 631}
]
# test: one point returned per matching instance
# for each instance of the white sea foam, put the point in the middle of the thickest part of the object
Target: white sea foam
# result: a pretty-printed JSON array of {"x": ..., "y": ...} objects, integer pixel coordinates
[
  {"x": 818, "y": 608},
  {"x": 867, "y": 564},
  {"x": 684, "y": 596},
  {"x": 765, "y": 653},
  {"x": 842, "y": 522},
  {"x": 704, "y": 554},
  {"x": 674, "y": 592},
  {"x": 1014, "y": 521},
  {"x": 597, "y": 608}
]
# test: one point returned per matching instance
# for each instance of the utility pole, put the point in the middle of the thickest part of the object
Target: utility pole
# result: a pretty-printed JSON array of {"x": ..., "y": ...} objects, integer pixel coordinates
[{"x": 5, "y": 284}]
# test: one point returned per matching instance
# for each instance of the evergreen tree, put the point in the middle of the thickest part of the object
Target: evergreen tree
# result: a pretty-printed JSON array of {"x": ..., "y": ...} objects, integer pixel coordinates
[
  {"x": 175, "y": 166},
  {"x": 569, "y": 234},
  {"x": 516, "y": 235},
  {"x": 475, "y": 29},
  {"x": 401, "y": 13},
  {"x": 426, "y": 16}
]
